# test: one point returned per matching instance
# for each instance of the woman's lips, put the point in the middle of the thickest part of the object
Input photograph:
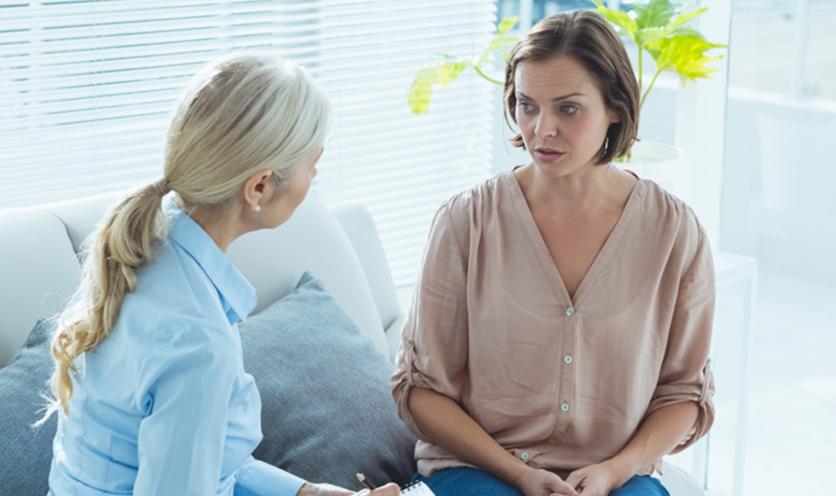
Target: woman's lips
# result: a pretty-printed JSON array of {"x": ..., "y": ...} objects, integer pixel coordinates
[{"x": 547, "y": 154}]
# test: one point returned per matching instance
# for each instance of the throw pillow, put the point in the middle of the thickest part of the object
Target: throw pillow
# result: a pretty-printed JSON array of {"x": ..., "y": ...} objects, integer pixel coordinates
[
  {"x": 26, "y": 451},
  {"x": 327, "y": 408}
]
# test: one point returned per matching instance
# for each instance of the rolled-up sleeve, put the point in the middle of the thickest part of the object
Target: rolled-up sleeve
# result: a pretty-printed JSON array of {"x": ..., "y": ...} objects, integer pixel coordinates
[
  {"x": 433, "y": 352},
  {"x": 686, "y": 372}
]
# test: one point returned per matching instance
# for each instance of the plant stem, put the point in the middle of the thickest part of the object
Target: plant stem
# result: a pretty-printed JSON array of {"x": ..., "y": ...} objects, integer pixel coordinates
[
  {"x": 640, "y": 70},
  {"x": 486, "y": 77},
  {"x": 650, "y": 87}
]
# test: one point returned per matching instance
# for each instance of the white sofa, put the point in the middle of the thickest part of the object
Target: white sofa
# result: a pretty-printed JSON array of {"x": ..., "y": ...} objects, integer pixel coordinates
[
  {"x": 39, "y": 265},
  {"x": 39, "y": 269}
]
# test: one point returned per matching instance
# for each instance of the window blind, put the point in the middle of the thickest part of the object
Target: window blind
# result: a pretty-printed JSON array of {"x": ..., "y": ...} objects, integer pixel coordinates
[{"x": 87, "y": 89}]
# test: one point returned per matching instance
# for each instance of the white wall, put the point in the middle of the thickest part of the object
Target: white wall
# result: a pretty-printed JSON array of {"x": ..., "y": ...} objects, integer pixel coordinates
[{"x": 779, "y": 198}]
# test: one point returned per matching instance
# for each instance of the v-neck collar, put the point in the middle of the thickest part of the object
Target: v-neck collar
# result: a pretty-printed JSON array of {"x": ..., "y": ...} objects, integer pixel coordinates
[{"x": 548, "y": 264}]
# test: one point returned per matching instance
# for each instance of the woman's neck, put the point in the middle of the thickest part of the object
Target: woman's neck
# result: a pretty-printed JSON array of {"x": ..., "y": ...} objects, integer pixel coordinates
[{"x": 595, "y": 188}]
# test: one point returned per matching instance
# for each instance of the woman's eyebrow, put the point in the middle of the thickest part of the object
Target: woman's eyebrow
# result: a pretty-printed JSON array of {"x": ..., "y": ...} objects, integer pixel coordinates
[{"x": 523, "y": 95}]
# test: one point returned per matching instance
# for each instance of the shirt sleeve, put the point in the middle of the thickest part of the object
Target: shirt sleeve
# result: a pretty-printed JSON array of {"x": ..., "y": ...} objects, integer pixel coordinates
[
  {"x": 433, "y": 352},
  {"x": 257, "y": 478},
  {"x": 181, "y": 441},
  {"x": 686, "y": 371}
]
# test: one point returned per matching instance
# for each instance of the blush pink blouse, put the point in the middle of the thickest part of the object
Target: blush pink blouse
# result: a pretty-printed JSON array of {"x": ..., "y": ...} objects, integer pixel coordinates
[{"x": 559, "y": 382}]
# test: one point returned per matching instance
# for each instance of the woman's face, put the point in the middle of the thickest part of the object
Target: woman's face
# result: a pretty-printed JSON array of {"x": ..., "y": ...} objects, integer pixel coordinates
[
  {"x": 561, "y": 114},
  {"x": 291, "y": 192}
]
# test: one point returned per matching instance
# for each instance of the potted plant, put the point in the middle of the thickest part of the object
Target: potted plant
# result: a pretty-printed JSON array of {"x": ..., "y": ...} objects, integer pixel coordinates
[{"x": 658, "y": 28}]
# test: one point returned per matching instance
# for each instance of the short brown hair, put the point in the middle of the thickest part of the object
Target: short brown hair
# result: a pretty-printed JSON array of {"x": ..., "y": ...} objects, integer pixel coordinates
[{"x": 589, "y": 39}]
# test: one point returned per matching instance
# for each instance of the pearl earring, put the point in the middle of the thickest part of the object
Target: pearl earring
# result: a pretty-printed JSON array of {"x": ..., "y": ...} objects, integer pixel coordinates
[{"x": 257, "y": 209}]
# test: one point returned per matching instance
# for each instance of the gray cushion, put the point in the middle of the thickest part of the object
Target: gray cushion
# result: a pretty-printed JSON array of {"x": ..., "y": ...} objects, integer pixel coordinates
[
  {"x": 26, "y": 452},
  {"x": 327, "y": 408}
]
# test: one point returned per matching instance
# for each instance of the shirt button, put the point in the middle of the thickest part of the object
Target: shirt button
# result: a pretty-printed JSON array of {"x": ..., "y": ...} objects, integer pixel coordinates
[
  {"x": 524, "y": 456},
  {"x": 568, "y": 359},
  {"x": 564, "y": 407},
  {"x": 570, "y": 311}
]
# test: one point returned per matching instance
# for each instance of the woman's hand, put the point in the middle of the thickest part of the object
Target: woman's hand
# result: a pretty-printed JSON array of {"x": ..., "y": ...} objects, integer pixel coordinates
[
  {"x": 596, "y": 480},
  {"x": 309, "y": 489},
  {"x": 323, "y": 490},
  {"x": 539, "y": 482},
  {"x": 390, "y": 489}
]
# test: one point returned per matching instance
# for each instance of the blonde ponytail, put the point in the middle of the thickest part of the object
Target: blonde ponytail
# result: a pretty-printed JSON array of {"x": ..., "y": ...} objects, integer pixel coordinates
[{"x": 120, "y": 246}]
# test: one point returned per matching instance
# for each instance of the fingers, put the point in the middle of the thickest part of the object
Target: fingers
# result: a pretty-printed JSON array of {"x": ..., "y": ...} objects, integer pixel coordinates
[
  {"x": 561, "y": 488},
  {"x": 576, "y": 478},
  {"x": 338, "y": 492},
  {"x": 593, "y": 490},
  {"x": 329, "y": 490},
  {"x": 390, "y": 489},
  {"x": 566, "y": 488}
]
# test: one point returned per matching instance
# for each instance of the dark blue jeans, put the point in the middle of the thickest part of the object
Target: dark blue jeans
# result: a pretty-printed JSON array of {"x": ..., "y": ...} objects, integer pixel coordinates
[{"x": 467, "y": 481}]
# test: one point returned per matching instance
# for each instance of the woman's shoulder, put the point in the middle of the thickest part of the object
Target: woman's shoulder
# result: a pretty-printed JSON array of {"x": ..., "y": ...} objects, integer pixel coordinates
[
  {"x": 480, "y": 199},
  {"x": 174, "y": 279},
  {"x": 173, "y": 303},
  {"x": 670, "y": 218},
  {"x": 666, "y": 210}
]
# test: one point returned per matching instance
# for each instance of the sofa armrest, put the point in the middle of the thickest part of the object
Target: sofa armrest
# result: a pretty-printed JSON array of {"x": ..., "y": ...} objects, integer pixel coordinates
[
  {"x": 393, "y": 336},
  {"x": 358, "y": 225}
]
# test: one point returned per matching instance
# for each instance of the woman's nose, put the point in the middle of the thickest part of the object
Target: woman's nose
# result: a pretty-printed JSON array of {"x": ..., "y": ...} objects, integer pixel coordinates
[{"x": 546, "y": 127}]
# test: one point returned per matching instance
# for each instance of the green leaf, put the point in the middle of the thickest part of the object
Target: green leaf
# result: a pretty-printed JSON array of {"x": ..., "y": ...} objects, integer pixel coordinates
[
  {"x": 622, "y": 20},
  {"x": 657, "y": 13},
  {"x": 441, "y": 74},
  {"x": 421, "y": 90},
  {"x": 686, "y": 17},
  {"x": 685, "y": 54},
  {"x": 501, "y": 41},
  {"x": 649, "y": 36},
  {"x": 449, "y": 71},
  {"x": 506, "y": 25}
]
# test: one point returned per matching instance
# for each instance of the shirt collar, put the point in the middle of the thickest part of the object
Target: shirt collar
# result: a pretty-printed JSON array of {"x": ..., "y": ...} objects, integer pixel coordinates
[{"x": 237, "y": 294}]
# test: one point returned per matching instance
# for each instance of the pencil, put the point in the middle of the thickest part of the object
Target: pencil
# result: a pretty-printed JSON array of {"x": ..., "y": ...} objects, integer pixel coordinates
[{"x": 366, "y": 482}]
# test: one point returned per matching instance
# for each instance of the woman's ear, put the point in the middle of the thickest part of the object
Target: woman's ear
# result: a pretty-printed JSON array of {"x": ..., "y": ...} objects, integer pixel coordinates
[{"x": 256, "y": 189}]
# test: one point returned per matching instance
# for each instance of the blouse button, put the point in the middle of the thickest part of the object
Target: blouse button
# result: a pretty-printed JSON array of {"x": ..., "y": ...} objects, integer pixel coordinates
[
  {"x": 568, "y": 359},
  {"x": 570, "y": 311},
  {"x": 564, "y": 407}
]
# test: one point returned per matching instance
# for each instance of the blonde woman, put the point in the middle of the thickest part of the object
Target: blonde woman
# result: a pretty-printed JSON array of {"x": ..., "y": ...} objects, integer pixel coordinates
[{"x": 149, "y": 382}]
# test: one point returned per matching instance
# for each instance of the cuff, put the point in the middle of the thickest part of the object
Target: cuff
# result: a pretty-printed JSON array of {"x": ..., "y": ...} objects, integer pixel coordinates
[{"x": 257, "y": 478}]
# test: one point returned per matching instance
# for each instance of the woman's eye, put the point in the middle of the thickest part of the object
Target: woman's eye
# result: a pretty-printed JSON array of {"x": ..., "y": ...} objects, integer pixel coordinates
[
  {"x": 569, "y": 109},
  {"x": 526, "y": 107}
]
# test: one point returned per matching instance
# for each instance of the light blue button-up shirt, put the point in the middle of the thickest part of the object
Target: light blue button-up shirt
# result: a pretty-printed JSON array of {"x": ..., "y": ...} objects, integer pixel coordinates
[{"x": 163, "y": 406}]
